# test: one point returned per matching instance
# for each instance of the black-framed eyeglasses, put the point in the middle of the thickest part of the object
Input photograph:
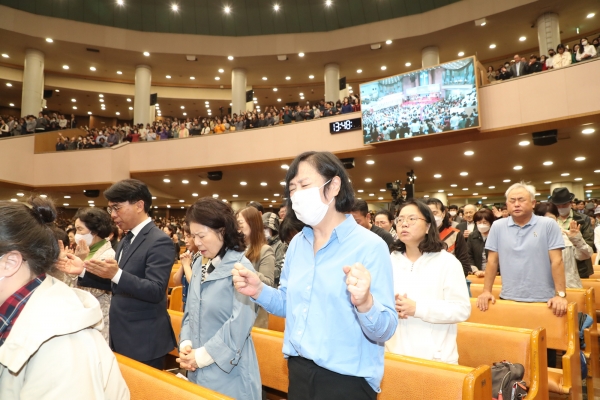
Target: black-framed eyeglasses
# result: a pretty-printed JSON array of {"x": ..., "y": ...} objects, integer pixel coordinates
[{"x": 116, "y": 209}]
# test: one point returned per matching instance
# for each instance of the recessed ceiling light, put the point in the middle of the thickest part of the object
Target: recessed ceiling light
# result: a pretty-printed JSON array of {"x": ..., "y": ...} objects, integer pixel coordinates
[
  {"x": 441, "y": 191},
  {"x": 118, "y": 113},
  {"x": 101, "y": 100},
  {"x": 454, "y": 185},
  {"x": 278, "y": 100},
  {"x": 588, "y": 191},
  {"x": 43, "y": 196},
  {"x": 89, "y": 113},
  {"x": 203, "y": 182},
  {"x": 66, "y": 204},
  {"x": 587, "y": 131},
  {"x": 437, "y": 175},
  {"x": 131, "y": 108},
  {"x": 383, "y": 67},
  {"x": 243, "y": 183},
  {"x": 65, "y": 67},
  {"x": 300, "y": 54},
  {"x": 479, "y": 184},
  {"x": 578, "y": 179},
  {"x": 174, "y": 7},
  {"x": 359, "y": 71},
  {"x": 234, "y": 195},
  {"x": 590, "y": 15},
  {"x": 517, "y": 167},
  {"x": 311, "y": 77},
  {"x": 587, "y": 184},
  {"x": 491, "y": 187},
  {"x": 492, "y": 46},
  {"x": 465, "y": 189},
  {"x": 182, "y": 201},
  {"x": 287, "y": 78},
  {"x": 548, "y": 163},
  {"x": 264, "y": 78},
  {"x": 282, "y": 183},
  {"x": 462, "y": 53},
  {"x": 227, "y": 9},
  {"x": 74, "y": 107},
  {"x": 522, "y": 39},
  {"x": 450, "y": 194},
  {"x": 168, "y": 77},
  {"x": 360, "y": 190},
  {"x": 368, "y": 180},
  {"x": 92, "y": 68},
  {"x": 4, "y": 55},
  {"x": 464, "y": 173},
  {"x": 217, "y": 78},
  {"x": 506, "y": 180},
  {"x": 185, "y": 181},
  {"x": 276, "y": 7},
  {"x": 382, "y": 190},
  {"x": 166, "y": 180},
  {"x": 147, "y": 54},
  {"x": 230, "y": 58},
  {"x": 372, "y": 194},
  {"x": 67, "y": 197},
  {"x": 263, "y": 184},
  {"x": 475, "y": 194},
  {"x": 388, "y": 42},
  {"x": 484, "y": 198},
  {"x": 119, "y": 72},
  {"x": 274, "y": 89},
  {"x": 266, "y": 199},
  {"x": 579, "y": 158},
  {"x": 11, "y": 104},
  {"x": 182, "y": 107},
  {"x": 483, "y": 23},
  {"x": 469, "y": 153},
  {"x": 565, "y": 174},
  {"x": 547, "y": 182},
  {"x": 407, "y": 64},
  {"x": 215, "y": 195},
  {"x": 221, "y": 70},
  {"x": 370, "y": 162},
  {"x": 168, "y": 206},
  {"x": 524, "y": 143},
  {"x": 418, "y": 159},
  {"x": 49, "y": 40},
  {"x": 426, "y": 195},
  {"x": 328, "y": 3}
]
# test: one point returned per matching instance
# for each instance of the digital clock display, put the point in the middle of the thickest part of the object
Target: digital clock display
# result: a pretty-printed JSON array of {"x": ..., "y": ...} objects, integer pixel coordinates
[{"x": 345, "y": 126}]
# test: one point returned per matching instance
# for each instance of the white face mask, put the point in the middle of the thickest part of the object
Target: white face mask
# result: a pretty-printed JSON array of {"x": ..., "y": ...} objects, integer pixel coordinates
[
  {"x": 308, "y": 206},
  {"x": 267, "y": 233},
  {"x": 438, "y": 220},
  {"x": 584, "y": 42},
  {"x": 483, "y": 228},
  {"x": 452, "y": 213},
  {"x": 88, "y": 237},
  {"x": 564, "y": 211}
]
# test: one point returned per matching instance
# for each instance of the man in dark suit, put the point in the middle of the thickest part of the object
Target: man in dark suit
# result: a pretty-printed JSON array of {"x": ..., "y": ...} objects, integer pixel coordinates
[
  {"x": 140, "y": 327},
  {"x": 518, "y": 67},
  {"x": 360, "y": 212}
]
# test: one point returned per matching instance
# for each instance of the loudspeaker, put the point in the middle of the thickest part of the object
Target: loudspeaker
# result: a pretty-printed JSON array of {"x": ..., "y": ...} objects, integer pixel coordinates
[
  {"x": 343, "y": 83},
  {"x": 410, "y": 190},
  {"x": 48, "y": 93},
  {"x": 91, "y": 193},
  {"x": 249, "y": 96},
  {"x": 348, "y": 162},
  {"x": 215, "y": 175},
  {"x": 545, "y": 138},
  {"x": 153, "y": 99}
]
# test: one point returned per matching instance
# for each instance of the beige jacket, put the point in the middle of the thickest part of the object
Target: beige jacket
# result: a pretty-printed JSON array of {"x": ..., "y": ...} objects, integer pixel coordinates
[{"x": 55, "y": 349}]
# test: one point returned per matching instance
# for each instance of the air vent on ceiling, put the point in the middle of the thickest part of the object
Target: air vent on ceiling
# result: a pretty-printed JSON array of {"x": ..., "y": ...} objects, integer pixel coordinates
[{"x": 93, "y": 50}]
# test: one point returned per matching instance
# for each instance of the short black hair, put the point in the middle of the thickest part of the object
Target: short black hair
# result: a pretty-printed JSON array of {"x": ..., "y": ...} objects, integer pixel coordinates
[
  {"x": 96, "y": 220},
  {"x": 289, "y": 228},
  {"x": 256, "y": 205},
  {"x": 432, "y": 242},
  {"x": 452, "y": 207},
  {"x": 218, "y": 216},
  {"x": 541, "y": 209},
  {"x": 361, "y": 206},
  {"x": 387, "y": 213},
  {"x": 446, "y": 222},
  {"x": 328, "y": 166},
  {"x": 131, "y": 191}
]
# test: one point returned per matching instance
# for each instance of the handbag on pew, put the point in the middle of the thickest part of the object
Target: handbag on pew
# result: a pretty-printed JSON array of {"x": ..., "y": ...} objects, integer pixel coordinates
[{"x": 507, "y": 381}]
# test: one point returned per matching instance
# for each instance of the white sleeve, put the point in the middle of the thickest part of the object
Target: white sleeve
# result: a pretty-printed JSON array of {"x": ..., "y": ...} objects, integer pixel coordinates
[
  {"x": 115, "y": 279},
  {"x": 203, "y": 359}
]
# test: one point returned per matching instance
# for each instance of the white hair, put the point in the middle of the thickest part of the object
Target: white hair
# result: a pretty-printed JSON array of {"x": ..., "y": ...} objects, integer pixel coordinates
[{"x": 522, "y": 185}]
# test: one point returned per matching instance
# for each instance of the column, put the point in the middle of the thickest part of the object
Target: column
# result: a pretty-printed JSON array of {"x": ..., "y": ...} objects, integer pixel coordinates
[
  {"x": 33, "y": 83},
  {"x": 430, "y": 56},
  {"x": 441, "y": 197},
  {"x": 141, "y": 102},
  {"x": 578, "y": 191},
  {"x": 555, "y": 185},
  {"x": 332, "y": 82},
  {"x": 548, "y": 32},
  {"x": 238, "y": 90}
]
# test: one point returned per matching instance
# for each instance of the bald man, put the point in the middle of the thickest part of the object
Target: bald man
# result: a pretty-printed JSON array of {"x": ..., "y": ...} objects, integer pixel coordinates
[{"x": 467, "y": 225}]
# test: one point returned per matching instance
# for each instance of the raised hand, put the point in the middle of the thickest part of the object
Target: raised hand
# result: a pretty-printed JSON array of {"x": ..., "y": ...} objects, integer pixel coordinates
[
  {"x": 358, "y": 283},
  {"x": 82, "y": 250},
  {"x": 245, "y": 281},
  {"x": 69, "y": 264}
]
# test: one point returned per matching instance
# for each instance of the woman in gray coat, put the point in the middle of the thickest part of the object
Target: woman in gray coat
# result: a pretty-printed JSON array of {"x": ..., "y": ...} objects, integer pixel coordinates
[{"x": 215, "y": 342}]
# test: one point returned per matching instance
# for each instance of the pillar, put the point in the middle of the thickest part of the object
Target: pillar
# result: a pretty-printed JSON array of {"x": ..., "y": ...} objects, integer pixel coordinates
[
  {"x": 578, "y": 191},
  {"x": 430, "y": 56},
  {"x": 548, "y": 32},
  {"x": 33, "y": 83},
  {"x": 141, "y": 102},
  {"x": 238, "y": 90},
  {"x": 555, "y": 185},
  {"x": 332, "y": 82},
  {"x": 441, "y": 197}
]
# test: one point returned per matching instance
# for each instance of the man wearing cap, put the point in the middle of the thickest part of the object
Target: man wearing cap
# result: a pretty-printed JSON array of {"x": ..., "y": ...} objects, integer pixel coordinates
[
  {"x": 271, "y": 226},
  {"x": 561, "y": 197}
]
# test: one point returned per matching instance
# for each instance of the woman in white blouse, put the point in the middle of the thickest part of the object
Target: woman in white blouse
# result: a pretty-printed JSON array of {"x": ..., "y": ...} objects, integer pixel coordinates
[
  {"x": 430, "y": 289},
  {"x": 586, "y": 51},
  {"x": 562, "y": 58}
]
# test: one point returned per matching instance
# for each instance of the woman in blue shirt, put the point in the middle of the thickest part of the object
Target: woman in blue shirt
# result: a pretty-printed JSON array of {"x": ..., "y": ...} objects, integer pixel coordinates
[{"x": 336, "y": 288}]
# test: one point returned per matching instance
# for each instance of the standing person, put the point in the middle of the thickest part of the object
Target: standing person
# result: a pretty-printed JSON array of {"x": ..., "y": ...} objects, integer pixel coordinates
[
  {"x": 271, "y": 226},
  {"x": 467, "y": 225},
  {"x": 43, "y": 321},
  {"x": 360, "y": 212},
  {"x": 183, "y": 276},
  {"x": 518, "y": 68},
  {"x": 430, "y": 288},
  {"x": 562, "y": 58},
  {"x": 385, "y": 220},
  {"x": 336, "y": 289},
  {"x": 216, "y": 345},
  {"x": 529, "y": 248},
  {"x": 478, "y": 254},
  {"x": 259, "y": 253},
  {"x": 140, "y": 327},
  {"x": 585, "y": 51}
]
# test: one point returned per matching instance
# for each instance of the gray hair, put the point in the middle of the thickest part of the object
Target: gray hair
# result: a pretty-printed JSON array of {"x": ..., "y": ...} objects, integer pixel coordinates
[{"x": 522, "y": 185}]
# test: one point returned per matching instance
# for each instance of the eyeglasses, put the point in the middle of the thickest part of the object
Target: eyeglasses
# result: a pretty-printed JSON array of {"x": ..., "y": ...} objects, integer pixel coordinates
[
  {"x": 113, "y": 208},
  {"x": 410, "y": 221}
]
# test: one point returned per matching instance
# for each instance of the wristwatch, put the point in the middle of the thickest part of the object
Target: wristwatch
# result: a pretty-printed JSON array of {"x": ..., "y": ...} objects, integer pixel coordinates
[{"x": 561, "y": 294}]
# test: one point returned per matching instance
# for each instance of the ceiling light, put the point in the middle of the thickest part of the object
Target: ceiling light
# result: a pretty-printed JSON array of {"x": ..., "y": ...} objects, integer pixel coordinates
[
  {"x": 263, "y": 184},
  {"x": 311, "y": 77},
  {"x": 464, "y": 173},
  {"x": 4, "y": 55},
  {"x": 155, "y": 104},
  {"x": 522, "y": 39},
  {"x": 565, "y": 174},
  {"x": 203, "y": 182},
  {"x": 182, "y": 107},
  {"x": 479, "y": 184},
  {"x": 328, "y": 3},
  {"x": 266, "y": 199},
  {"x": 407, "y": 64},
  {"x": 74, "y": 107},
  {"x": 92, "y": 68},
  {"x": 469, "y": 153},
  {"x": 11, "y": 104},
  {"x": 230, "y": 58},
  {"x": 227, "y": 9},
  {"x": 548, "y": 163},
  {"x": 426, "y": 195},
  {"x": 441, "y": 191},
  {"x": 579, "y": 158},
  {"x": 491, "y": 187},
  {"x": 282, "y": 183},
  {"x": 590, "y": 15},
  {"x": 174, "y": 7},
  {"x": 475, "y": 194},
  {"x": 587, "y": 131},
  {"x": 185, "y": 181},
  {"x": 301, "y": 97},
  {"x": 437, "y": 176},
  {"x": 506, "y": 180},
  {"x": 465, "y": 189},
  {"x": 484, "y": 198},
  {"x": 119, "y": 72},
  {"x": 276, "y": 7},
  {"x": 372, "y": 194},
  {"x": 300, "y": 54},
  {"x": 587, "y": 184},
  {"x": 492, "y": 46},
  {"x": 67, "y": 197},
  {"x": 462, "y": 53},
  {"x": 388, "y": 42},
  {"x": 370, "y": 162},
  {"x": 120, "y": 2},
  {"x": 380, "y": 198},
  {"x": 450, "y": 194},
  {"x": 217, "y": 78},
  {"x": 278, "y": 99},
  {"x": 578, "y": 179},
  {"x": 166, "y": 180},
  {"x": 548, "y": 182},
  {"x": 49, "y": 40},
  {"x": 483, "y": 23},
  {"x": 182, "y": 201},
  {"x": 517, "y": 167},
  {"x": 234, "y": 195},
  {"x": 168, "y": 206},
  {"x": 243, "y": 183},
  {"x": 287, "y": 78},
  {"x": 101, "y": 100},
  {"x": 264, "y": 78},
  {"x": 418, "y": 159},
  {"x": 147, "y": 54},
  {"x": 221, "y": 70},
  {"x": 65, "y": 67},
  {"x": 184, "y": 114},
  {"x": 454, "y": 185},
  {"x": 89, "y": 113},
  {"x": 359, "y": 71},
  {"x": 118, "y": 113},
  {"x": 524, "y": 143},
  {"x": 92, "y": 201},
  {"x": 368, "y": 180},
  {"x": 588, "y": 191},
  {"x": 168, "y": 76},
  {"x": 131, "y": 108},
  {"x": 274, "y": 89},
  {"x": 43, "y": 196},
  {"x": 383, "y": 67},
  {"x": 382, "y": 190},
  {"x": 66, "y": 204}
]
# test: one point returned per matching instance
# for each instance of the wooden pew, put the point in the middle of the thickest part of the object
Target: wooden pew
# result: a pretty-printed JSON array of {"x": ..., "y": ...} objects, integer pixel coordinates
[
  {"x": 404, "y": 377},
  {"x": 147, "y": 383},
  {"x": 276, "y": 323},
  {"x": 176, "y": 320},
  {"x": 517, "y": 345},
  {"x": 476, "y": 280},
  {"x": 176, "y": 299},
  {"x": 562, "y": 334}
]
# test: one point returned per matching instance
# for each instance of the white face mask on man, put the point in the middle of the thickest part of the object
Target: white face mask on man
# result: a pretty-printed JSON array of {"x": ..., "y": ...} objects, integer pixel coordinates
[
  {"x": 438, "y": 220},
  {"x": 308, "y": 206},
  {"x": 452, "y": 213},
  {"x": 564, "y": 211}
]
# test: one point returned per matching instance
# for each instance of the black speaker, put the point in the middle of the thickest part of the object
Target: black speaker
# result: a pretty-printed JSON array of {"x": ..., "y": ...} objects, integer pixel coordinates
[
  {"x": 229, "y": 111},
  {"x": 153, "y": 99},
  {"x": 343, "y": 83},
  {"x": 91, "y": 193},
  {"x": 215, "y": 175},
  {"x": 348, "y": 162},
  {"x": 48, "y": 93},
  {"x": 249, "y": 96},
  {"x": 545, "y": 138},
  {"x": 410, "y": 190}
]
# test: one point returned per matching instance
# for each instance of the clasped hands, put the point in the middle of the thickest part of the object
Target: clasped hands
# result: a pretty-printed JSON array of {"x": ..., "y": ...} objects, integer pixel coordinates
[{"x": 187, "y": 359}]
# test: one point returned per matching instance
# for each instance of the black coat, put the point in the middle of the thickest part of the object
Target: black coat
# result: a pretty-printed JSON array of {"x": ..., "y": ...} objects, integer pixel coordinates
[
  {"x": 475, "y": 248},
  {"x": 585, "y": 267},
  {"x": 535, "y": 67},
  {"x": 140, "y": 327}
]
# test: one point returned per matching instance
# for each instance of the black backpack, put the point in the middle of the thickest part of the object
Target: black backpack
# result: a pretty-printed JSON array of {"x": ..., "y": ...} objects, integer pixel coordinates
[{"x": 507, "y": 381}]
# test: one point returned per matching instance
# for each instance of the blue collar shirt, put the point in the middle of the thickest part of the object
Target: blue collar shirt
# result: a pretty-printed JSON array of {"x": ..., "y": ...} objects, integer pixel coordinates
[{"x": 322, "y": 324}]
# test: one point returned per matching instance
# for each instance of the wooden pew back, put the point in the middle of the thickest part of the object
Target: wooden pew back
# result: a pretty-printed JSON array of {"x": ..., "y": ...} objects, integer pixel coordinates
[
  {"x": 273, "y": 367},
  {"x": 276, "y": 323},
  {"x": 147, "y": 383},
  {"x": 176, "y": 299}
]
